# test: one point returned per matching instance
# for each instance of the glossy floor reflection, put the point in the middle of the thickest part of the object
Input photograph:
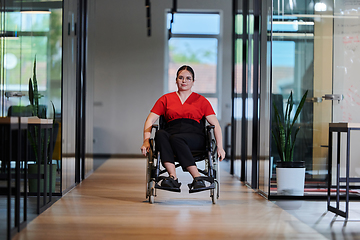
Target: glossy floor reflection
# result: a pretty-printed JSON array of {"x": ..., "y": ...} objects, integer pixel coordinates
[
  {"x": 111, "y": 204},
  {"x": 315, "y": 215}
]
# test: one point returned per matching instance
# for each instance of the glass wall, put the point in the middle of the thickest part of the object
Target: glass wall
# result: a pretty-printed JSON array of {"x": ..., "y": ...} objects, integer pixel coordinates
[
  {"x": 265, "y": 172},
  {"x": 32, "y": 44},
  {"x": 346, "y": 84},
  {"x": 293, "y": 71},
  {"x": 249, "y": 94},
  {"x": 314, "y": 48},
  {"x": 304, "y": 46},
  {"x": 30, "y": 48},
  {"x": 31, "y": 31},
  {"x": 238, "y": 96},
  {"x": 246, "y": 92}
]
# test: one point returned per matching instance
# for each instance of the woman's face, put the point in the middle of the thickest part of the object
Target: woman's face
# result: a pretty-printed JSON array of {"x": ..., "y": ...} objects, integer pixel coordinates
[{"x": 184, "y": 80}]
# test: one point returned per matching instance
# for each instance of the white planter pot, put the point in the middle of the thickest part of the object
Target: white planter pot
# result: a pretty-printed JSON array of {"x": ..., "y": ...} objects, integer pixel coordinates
[{"x": 290, "y": 181}]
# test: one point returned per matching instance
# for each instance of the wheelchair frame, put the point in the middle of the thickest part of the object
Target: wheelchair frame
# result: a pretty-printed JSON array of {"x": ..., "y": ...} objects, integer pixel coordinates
[{"x": 211, "y": 171}]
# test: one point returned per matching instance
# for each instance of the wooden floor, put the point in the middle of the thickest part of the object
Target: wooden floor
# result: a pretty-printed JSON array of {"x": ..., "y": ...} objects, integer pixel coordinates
[{"x": 111, "y": 204}]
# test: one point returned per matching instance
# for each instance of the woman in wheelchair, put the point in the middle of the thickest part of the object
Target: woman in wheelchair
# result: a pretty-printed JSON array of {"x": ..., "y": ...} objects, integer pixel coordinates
[{"x": 182, "y": 111}]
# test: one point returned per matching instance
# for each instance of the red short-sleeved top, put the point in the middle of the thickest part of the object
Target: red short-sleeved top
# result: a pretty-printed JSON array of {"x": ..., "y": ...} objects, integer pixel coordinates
[{"x": 195, "y": 107}]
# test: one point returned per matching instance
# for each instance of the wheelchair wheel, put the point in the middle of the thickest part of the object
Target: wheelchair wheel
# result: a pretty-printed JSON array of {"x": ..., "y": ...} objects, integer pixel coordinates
[
  {"x": 150, "y": 183},
  {"x": 217, "y": 171},
  {"x": 152, "y": 192},
  {"x": 214, "y": 193}
]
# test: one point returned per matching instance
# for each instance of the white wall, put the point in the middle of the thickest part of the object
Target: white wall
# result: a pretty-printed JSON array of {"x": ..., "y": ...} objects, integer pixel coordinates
[{"x": 129, "y": 68}]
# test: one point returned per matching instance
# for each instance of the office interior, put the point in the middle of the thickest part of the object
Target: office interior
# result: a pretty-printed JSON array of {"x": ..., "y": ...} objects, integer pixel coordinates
[{"x": 101, "y": 65}]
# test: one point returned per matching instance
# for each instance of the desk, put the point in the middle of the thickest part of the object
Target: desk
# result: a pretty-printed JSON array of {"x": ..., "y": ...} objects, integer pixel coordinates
[
  {"x": 14, "y": 149},
  {"x": 11, "y": 128},
  {"x": 339, "y": 128}
]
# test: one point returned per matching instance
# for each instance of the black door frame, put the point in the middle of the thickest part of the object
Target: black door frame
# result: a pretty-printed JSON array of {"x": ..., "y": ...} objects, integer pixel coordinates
[
  {"x": 80, "y": 137},
  {"x": 245, "y": 11}
]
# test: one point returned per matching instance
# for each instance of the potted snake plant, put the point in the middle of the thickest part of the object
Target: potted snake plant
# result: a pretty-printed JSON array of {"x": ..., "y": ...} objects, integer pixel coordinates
[
  {"x": 39, "y": 111},
  {"x": 290, "y": 175}
]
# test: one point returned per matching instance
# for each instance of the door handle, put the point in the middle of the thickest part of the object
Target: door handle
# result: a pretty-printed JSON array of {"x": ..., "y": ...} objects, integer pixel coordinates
[
  {"x": 333, "y": 97},
  {"x": 314, "y": 99},
  {"x": 14, "y": 94}
]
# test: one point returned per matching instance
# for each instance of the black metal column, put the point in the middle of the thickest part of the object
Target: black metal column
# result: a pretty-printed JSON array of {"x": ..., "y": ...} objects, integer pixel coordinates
[
  {"x": 80, "y": 91},
  {"x": 244, "y": 92},
  {"x": 9, "y": 187},
  {"x": 24, "y": 125},
  {"x": 233, "y": 59},
  {"x": 329, "y": 168},
  {"x": 2, "y": 47},
  {"x": 17, "y": 177},
  {"x": 256, "y": 94}
]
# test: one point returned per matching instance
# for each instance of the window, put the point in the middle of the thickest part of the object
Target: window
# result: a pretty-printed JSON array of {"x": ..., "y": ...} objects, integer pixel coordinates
[{"x": 194, "y": 41}]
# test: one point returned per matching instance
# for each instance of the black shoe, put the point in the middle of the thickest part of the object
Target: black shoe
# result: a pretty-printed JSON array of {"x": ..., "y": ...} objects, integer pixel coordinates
[
  {"x": 198, "y": 183},
  {"x": 170, "y": 182}
]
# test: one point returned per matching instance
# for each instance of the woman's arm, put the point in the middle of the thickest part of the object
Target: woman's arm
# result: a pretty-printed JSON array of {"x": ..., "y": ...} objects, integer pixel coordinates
[
  {"x": 218, "y": 135},
  {"x": 150, "y": 120}
]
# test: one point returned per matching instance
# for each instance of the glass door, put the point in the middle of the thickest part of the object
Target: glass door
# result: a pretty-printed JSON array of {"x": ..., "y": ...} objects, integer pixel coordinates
[
  {"x": 315, "y": 47},
  {"x": 294, "y": 63},
  {"x": 322, "y": 85}
]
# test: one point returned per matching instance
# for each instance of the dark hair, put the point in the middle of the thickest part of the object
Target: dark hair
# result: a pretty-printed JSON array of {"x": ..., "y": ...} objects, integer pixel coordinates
[{"x": 188, "y": 68}]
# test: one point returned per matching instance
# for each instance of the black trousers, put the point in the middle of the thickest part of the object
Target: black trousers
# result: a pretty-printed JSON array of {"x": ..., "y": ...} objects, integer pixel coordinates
[{"x": 177, "y": 139}]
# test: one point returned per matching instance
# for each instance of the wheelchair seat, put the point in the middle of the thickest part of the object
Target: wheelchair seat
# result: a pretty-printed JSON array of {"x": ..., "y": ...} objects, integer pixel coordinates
[{"x": 155, "y": 175}]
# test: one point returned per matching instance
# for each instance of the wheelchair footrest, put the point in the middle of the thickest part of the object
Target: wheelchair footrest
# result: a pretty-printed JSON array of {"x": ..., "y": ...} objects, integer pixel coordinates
[
  {"x": 167, "y": 188},
  {"x": 191, "y": 190}
]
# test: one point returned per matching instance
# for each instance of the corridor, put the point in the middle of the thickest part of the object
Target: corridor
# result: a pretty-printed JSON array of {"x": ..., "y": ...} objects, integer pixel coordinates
[{"x": 111, "y": 204}]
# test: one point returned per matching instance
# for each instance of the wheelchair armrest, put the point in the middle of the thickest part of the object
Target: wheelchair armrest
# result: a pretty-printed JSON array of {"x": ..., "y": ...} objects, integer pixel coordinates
[
  {"x": 210, "y": 140},
  {"x": 155, "y": 126},
  {"x": 210, "y": 127}
]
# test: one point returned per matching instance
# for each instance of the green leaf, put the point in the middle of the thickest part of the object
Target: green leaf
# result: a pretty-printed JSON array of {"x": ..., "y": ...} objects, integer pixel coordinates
[
  {"x": 301, "y": 105},
  {"x": 31, "y": 92},
  {"x": 277, "y": 143},
  {"x": 293, "y": 143}
]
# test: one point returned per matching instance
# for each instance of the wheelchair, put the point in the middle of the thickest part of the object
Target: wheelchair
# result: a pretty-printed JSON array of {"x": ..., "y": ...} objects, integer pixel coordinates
[{"x": 155, "y": 171}]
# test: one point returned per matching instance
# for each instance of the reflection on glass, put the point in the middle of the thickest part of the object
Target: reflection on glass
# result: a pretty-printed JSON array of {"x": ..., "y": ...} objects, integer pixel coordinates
[
  {"x": 28, "y": 22},
  {"x": 293, "y": 53},
  {"x": 29, "y": 36},
  {"x": 24, "y": 37},
  {"x": 238, "y": 96},
  {"x": 34, "y": 40},
  {"x": 239, "y": 24}
]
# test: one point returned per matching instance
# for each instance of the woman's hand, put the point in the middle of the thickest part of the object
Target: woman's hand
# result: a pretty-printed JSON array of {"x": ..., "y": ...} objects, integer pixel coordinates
[
  {"x": 150, "y": 120},
  {"x": 218, "y": 136},
  {"x": 145, "y": 147},
  {"x": 221, "y": 153}
]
